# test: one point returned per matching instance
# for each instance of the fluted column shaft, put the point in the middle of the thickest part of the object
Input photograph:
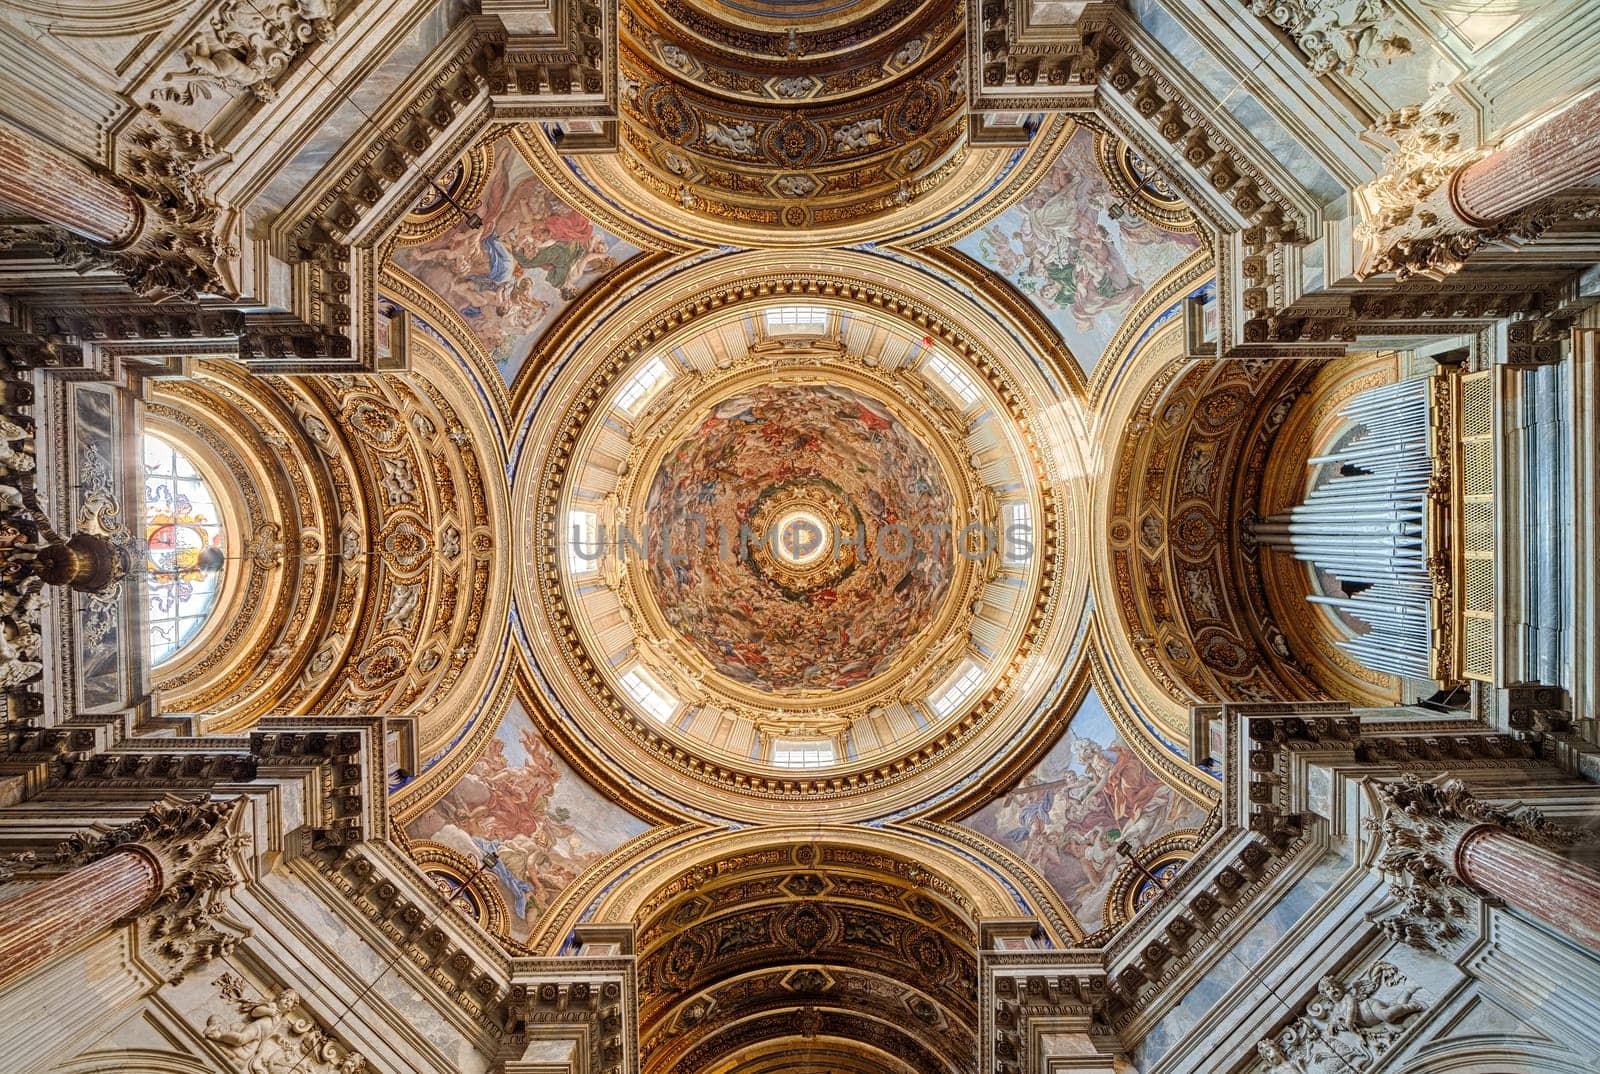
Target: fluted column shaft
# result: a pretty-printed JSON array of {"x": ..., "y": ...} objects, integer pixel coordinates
[
  {"x": 1564, "y": 894},
  {"x": 39, "y": 182},
  {"x": 53, "y": 916},
  {"x": 1563, "y": 152}
]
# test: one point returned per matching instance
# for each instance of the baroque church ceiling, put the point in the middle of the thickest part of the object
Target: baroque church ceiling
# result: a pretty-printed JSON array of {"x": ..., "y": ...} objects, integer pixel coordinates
[
  {"x": 919, "y": 434},
  {"x": 772, "y": 479}
]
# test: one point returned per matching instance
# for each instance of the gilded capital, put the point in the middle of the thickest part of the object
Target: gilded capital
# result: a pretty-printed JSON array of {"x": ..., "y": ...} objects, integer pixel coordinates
[
  {"x": 1409, "y": 224},
  {"x": 195, "y": 845}
]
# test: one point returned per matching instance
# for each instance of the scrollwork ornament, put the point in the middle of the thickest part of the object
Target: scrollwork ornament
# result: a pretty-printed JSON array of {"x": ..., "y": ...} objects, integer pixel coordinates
[
  {"x": 1345, "y": 1028},
  {"x": 274, "y": 1034},
  {"x": 246, "y": 47}
]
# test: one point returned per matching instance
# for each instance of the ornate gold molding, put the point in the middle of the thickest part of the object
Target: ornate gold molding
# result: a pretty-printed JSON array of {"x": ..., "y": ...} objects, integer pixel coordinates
[{"x": 834, "y": 788}]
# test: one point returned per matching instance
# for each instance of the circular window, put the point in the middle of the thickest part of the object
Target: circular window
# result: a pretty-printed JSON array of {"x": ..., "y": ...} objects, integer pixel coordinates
[{"x": 184, "y": 540}]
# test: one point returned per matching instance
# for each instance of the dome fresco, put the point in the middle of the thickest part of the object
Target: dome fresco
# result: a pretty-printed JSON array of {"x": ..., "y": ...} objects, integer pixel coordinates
[
  {"x": 778, "y": 538},
  {"x": 870, "y": 484}
]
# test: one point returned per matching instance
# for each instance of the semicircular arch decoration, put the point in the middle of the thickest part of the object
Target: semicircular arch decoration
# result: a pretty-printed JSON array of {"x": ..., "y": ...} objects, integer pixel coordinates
[
  {"x": 1189, "y": 442},
  {"x": 366, "y": 511},
  {"x": 850, "y": 943}
]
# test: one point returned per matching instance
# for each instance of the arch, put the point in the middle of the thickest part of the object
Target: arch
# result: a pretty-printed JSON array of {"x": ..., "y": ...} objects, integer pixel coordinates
[
  {"x": 1527, "y": 1055},
  {"x": 368, "y": 511},
  {"x": 135, "y": 1061},
  {"x": 1186, "y": 442},
  {"x": 627, "y": 885},
  {"x": 745, "y": 938}
]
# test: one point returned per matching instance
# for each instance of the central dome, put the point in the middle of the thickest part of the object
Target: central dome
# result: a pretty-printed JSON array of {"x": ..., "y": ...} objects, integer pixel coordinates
[
  {"x": 795, "y": 539},
  {"x": 811, "y": 537}
]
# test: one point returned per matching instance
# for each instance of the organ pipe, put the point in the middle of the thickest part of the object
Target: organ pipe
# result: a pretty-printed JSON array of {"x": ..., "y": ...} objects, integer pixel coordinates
[{"x": 1365, "y": 524}]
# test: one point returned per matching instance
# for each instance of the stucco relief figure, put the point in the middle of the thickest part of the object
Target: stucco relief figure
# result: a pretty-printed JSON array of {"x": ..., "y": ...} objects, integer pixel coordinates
[
  {"x": 734, "y": 137},
  {"x": 402, "y": 608},
  {"x": 910, "y": 52},
  {"x": 246, "y": 46},
  {"x": 794, "y": 86},
  {"x": 510, "y": 278},
  {"x": 1344, "y": 36},
  {"x": 677, "y": 59},
  {"x": 862, "y": 134},
  {"x": 1345, "y": 1027},
  {"x": 268, "y": 1039},
  {"x": 1069, "y": 813},
  {"x": 271, "y": 1039},
  {"x": 796, "y": 186}
]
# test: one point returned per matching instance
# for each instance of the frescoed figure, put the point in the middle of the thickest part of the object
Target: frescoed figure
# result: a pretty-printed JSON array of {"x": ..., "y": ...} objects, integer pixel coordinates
[
  {"x": 522, "y": 802},
  {"x": 510, "y": 279},
  {"x": 1067, "y": 816},
  {"x": 1083, "y": 263}
]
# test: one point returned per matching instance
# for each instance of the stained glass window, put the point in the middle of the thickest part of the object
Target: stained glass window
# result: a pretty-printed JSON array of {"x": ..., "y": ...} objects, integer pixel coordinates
[{"x": 185, "y": 541}]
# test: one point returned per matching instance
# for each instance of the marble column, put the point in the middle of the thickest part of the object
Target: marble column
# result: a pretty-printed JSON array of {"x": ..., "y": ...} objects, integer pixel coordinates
[
  {"x": 52, "y": 917},
  {"x": 1562, "y": 893},
  {"x": 1439, "y": 847},
  {"x": 1439, "y": 198},
  {"x": 180, "y": 858},
  {"x": 1561, "y": 153},
  {"x": 41, "y": 183}
]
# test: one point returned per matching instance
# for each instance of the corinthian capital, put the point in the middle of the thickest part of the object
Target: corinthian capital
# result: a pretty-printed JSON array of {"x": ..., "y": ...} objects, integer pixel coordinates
[
  {"x": 181, "y": 249},
  {"x": 173, "y": 236},
  {"x": 1417, "y": 837},
  {"x": 196, "y": 845},
  {"x": 1408, "y": 225}
]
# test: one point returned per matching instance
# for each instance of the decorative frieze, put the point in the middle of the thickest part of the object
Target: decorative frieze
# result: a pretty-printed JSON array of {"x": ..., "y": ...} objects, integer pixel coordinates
[
  {"x": 553, "y": 998},
  {"x": 1026, "y": 993}
]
